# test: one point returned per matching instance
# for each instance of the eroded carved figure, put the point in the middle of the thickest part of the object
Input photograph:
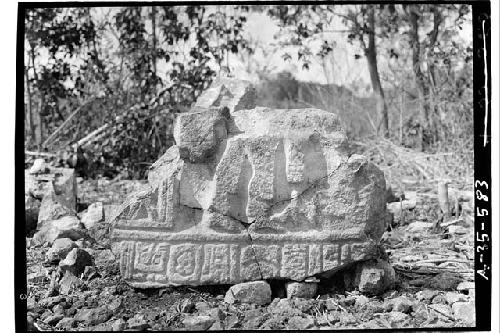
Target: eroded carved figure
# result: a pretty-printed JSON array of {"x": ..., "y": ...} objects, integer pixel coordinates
[{"x": 250, "y": 193}]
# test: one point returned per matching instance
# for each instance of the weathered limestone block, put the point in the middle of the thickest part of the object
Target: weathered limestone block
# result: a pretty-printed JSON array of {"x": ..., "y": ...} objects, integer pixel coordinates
[
  {"x": 94, "y": 214},
  {"x": 50, "y": 193},
  {"x": 232, "y": 93},
  {"x": 257, "y": 292},
  {"x": 65, "y": 227},
  {"x": 301, "y": 289},
  {"x": 53, "y": 208},
  {"x": 62, "y": 181},
  {"x": 198, "y": 134},
  {"x": 250, "y": 194}
]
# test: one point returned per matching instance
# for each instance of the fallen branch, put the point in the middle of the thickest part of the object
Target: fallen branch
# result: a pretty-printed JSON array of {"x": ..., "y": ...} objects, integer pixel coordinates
[
  {"x": 66, "y": 122},
  {"x": 87, "y": 139},
  {"x": 433, "y": 261},
  {"x": 38, "y": 153},
  {"x": 442, "y": 313},
  {"x": 429, "y": 269},
  {"x": 446, "y": 224}
]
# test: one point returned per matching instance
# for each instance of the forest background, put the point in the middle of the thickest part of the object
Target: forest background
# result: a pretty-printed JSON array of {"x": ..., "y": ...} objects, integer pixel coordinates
[{"x": 102, "y": 85}]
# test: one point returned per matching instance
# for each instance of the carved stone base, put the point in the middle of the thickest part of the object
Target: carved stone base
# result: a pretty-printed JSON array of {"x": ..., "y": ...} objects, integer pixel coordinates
[{"x": 198, "y": 258}]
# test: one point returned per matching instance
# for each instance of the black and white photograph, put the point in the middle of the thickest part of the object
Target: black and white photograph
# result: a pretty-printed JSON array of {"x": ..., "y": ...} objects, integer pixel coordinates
[{"x": 254, "y": 166}]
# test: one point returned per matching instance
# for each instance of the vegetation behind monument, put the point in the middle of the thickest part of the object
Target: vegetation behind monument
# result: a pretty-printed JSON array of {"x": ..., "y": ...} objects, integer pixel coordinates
[{"x": 102, "y": 90}]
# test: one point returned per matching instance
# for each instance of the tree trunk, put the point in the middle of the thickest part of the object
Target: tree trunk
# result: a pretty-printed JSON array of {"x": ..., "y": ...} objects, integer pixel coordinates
[
  {"x": 38, "y": 115},
  {"x": 371, "y": 57},
  {"x": 419, "y": 75},
  {"x": 153, "y": 22},
  {"x": 435, "y": 116},
  {"x": 30, "y": 106}
]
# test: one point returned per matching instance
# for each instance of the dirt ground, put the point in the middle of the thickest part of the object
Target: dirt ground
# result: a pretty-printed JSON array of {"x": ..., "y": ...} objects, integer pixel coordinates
[{"x": 431, "y": 254}]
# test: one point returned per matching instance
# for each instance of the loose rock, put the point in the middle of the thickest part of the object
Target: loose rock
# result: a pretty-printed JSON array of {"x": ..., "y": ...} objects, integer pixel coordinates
[
  {"x": 119, "y": 325},
  {"x": 60, "y": 182},
  {"x": 187, "y": 306},
  {"x": 202, "y": 307},
  {"x": 361, "y": 300},
  {"x": 60, "y": 249},
  {"x": 347, "y": 318},
  {"x": 49, "y": 302},
  {"x": 347, "y": 301},
  {"x": 51, "y": 208},
  {"x": 284, "y": 306},
  {"x": 300, "y": 323},
  {"x": 301, "y": 289},
  {"x": 258, "y": 292},
  {"x": 65, "y": 227},
  {"x": 402, "y": 304},
  {"x": 75, "y": 262},
  {"x": 373, "y": 307},
  {"x": 443, "y": 310},
  {"x": 39, "y": 166},
  {"x": 138, "y": 322},
  {"x": 453, "y": 297},
  {"x": 93, "y": 316},
  {"x": 465, "y": 311},
  {"x": 466, "y": 286},
  {"x": 426, "y": 295},
  {"x": 54, "y": 319},
  {"x": 66, "y": 323},
  {"x": 115, "y": 304},
  {"x": 93, "y": 215},
  {"x": 198, "y": 323},
  {"x": 68, "y": 283},
  {"x": 374, "y": 277},
  {"x": 254, "y": 318},
  {"x": 397, "y": 319}
]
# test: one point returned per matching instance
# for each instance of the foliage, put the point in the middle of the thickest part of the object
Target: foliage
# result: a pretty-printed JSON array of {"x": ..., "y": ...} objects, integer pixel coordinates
[
  {"x": 311, "y": 22},
  {"x": 142, "y": 65},
  {"x": 63, "y": 35},
  {"x": 425, "y": 61},
  {"x": 138, "y": 97},
  {"x": 428, "y": 42}
]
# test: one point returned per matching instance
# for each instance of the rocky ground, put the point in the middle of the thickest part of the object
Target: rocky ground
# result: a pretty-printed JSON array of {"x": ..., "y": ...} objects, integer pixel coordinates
[{"x": 75, "y": 285}]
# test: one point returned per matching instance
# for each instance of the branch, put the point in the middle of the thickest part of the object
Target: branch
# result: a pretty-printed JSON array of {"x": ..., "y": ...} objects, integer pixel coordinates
[
  {"x": 38, "y": 153},
  {"x": 66, "y": 122},
  {"x": 92, "y": 135}
]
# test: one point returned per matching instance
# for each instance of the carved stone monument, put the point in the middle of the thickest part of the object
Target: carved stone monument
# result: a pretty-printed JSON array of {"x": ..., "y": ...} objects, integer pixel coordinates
[{"x": 250, "y": 193}]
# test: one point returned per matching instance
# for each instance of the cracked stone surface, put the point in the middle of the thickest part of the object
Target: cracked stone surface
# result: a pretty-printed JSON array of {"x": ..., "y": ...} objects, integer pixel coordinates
[{"x": 250, "y": 193}]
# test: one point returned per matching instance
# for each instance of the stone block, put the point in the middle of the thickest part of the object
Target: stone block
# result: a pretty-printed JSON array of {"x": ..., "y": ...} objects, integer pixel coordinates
[
  {"x": 59, "y": 181},
  {"x": 76, "y": 261},
  {"x": 52, "y": 208},
  {"x": 93, "y": 215},
  {"x": 65, "y": 227},
  {"x": 466, "y": 312},
  {"x": 60, "y": 249},
  {"x": 247, "y": 195},
  {"x": 301, "y": 289},
  {"x": 257, "y": 292},
  {"x": 374, "y": 277}
]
